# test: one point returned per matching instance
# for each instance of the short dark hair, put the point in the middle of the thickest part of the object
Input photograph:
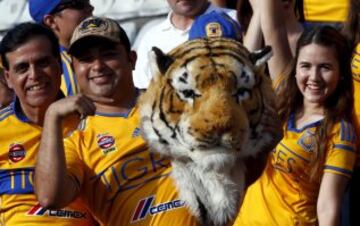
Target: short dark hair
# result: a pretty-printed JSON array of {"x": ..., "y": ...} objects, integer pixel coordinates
[{"x": 22, "y": 33}]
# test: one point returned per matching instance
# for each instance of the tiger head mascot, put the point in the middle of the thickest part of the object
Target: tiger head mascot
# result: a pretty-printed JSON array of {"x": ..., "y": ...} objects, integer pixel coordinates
[{"x": 204, "y": 109}]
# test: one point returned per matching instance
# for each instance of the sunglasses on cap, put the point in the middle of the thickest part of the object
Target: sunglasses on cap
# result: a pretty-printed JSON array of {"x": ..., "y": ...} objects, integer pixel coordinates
[{"x": 71, "y": 4}]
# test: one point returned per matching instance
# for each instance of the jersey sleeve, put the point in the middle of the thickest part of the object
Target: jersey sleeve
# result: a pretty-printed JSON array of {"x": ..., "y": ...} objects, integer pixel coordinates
[
  {"x": 74, "y": 164},
  {"x": 341, "y": 156}
]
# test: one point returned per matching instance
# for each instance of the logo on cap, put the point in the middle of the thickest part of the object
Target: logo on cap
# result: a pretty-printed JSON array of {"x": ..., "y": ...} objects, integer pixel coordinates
[
  {"x": 16, "y": 152},
  {"x": 213, "y": 30},
  {"x": 93, "y": 24}
]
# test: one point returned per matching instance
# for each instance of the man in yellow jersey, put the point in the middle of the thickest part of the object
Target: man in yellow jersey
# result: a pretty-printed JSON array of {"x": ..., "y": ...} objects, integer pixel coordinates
[
  {"x": 107, "y": 163},
  {"x": 62, "y": 16},
  {"x": 30, "y": 55}
]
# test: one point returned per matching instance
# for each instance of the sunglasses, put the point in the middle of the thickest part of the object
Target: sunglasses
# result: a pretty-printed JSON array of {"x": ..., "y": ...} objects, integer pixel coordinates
[{"x": 71, "y": 4}]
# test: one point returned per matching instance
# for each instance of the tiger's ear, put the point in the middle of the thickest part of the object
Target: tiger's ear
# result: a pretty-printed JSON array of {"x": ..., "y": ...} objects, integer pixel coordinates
[
  {"x": 159, "y": 61},
  {"x": 261, "y": 56}
]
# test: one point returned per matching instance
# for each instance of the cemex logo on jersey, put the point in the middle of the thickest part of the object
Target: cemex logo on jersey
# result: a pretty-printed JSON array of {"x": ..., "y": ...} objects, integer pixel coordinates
[
  {"x": 38, "y": 210},
  {"x": 145, "y": 207}
]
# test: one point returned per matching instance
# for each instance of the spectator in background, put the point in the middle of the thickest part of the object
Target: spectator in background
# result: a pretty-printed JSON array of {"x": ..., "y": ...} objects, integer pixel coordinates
[
  {"x": 170, "y": 33},
  {"x": 31, "y": 59},
  {"x": 62, "y": 16},
  {"x": 6, "y": 94}
]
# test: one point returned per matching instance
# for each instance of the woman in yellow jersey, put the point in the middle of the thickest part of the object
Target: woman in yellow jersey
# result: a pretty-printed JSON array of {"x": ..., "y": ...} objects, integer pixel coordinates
[
  {"x": 352, "y": 31},
  {"x": 308, "y": 171}
]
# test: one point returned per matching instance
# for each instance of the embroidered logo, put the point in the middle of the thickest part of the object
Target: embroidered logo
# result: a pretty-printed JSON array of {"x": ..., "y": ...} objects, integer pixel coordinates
[
  {"x": 97, "y": 24},
  {"x": 213, "y": 30},
  {"x": 16, "y": 152},
  {"x": 106, "y": 143},
  {"x": 307, "y": 141}
]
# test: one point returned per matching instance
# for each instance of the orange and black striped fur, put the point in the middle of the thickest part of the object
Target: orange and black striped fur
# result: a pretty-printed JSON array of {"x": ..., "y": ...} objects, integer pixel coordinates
[{"x": 204, "y": 109}]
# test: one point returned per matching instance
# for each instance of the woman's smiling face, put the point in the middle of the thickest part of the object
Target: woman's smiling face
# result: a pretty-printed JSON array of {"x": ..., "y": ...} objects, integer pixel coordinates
[{"x": 317, "y": 72}]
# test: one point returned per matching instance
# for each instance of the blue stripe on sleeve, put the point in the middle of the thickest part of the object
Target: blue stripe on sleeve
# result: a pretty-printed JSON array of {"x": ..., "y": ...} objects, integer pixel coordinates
[
  {"x": 344, "y": 147},
  {"x": 341, "y": 170}
]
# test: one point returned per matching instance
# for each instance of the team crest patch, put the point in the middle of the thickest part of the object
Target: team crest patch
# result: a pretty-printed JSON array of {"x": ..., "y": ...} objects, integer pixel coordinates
[
  {"x": 213, "y": 30},
  {"x": 106, "y": 143},
  {"x": 307, "y": 141},
  {"x": 96, "y": 24},
  {"x": 16, "y": 152}
]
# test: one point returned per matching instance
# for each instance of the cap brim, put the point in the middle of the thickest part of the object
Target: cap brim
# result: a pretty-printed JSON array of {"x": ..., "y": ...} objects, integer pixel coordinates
[{"x": 86, "y": 40}]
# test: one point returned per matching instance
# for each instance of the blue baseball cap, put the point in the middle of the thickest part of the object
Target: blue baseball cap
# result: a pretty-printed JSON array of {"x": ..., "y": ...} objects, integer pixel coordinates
[
  {"x": 215, "y": 24},
  {"x": 39, "y": 8}
]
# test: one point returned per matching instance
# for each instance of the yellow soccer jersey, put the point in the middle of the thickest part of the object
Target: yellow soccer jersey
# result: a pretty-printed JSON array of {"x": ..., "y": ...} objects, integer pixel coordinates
[
  {"x": 355, "y": 66},
  {"x": 284, "y": 195},
  {"x": 19, "y": 142},
  {"x": 122, "y": 182},
  {"x": 326, "y": 10}
]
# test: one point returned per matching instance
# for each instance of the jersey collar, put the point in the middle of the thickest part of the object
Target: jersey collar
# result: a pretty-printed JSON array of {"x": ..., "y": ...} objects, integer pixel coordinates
[{"x": 19, "y": 113}]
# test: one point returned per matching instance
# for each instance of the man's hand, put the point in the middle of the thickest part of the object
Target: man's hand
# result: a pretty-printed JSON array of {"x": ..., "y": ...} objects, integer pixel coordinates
[{"x": 78, "y": 105}]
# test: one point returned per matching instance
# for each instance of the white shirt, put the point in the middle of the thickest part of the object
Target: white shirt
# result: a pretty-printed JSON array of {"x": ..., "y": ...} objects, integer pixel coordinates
[{"x": 165, "y": 36}]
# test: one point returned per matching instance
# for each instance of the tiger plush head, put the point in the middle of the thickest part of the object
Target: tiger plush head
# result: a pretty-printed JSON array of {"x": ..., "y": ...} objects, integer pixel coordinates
[{"x": 204, "y": 109}]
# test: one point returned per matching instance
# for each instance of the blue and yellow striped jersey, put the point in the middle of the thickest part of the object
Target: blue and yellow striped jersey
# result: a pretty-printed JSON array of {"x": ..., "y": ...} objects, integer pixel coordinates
[
  {"x": 19, "y": 143},
  {"x": 69, "y": 84},
  {"x": 122, "y": 182}
]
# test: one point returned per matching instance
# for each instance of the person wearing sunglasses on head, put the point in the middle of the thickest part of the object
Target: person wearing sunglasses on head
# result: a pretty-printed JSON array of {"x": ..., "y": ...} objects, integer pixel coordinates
[{"x": 62, "y": 16}]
